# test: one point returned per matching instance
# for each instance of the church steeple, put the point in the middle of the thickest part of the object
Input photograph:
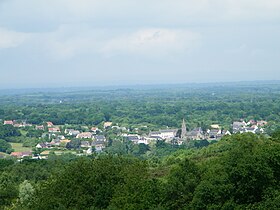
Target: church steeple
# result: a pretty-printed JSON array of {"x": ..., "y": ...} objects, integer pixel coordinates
[{"x": 184, "y": 130}]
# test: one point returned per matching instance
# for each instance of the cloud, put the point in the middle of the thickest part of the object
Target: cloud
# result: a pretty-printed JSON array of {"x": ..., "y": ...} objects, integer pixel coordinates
[
  {"x": 153, "y": 42},
  {"x": 133, "y": 13},
  {"x": 11, "y": 39},
  {"x": 69, "y": 41}
]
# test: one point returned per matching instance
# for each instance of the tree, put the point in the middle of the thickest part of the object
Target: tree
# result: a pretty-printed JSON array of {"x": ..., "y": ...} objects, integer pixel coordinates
[
  {"x": 26, "y": 193},
  {"x": 181, "y": 184},
  {"x": 8, "y": 190},
  {"x": 5, "y": 146}
]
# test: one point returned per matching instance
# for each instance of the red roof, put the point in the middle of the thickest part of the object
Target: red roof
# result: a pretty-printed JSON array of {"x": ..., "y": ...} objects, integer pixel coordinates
[
  {"x": 49, "y": 124},
  {"x": 8, "y": 122},
  {"x": 21, "y": 154}
]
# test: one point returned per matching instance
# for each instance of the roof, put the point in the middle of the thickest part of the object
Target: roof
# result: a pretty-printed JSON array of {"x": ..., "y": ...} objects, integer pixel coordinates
[
  {"x": 107, "y": 124},
  {"x": 168, "y": 131},
  {"x": 49, "y": 124},
  {"x": 8, "y": 122},
  {"x": 65, "y": 141},
  {"x": 100, "y": 138},
  {"x": 46, "y": 152},
  {"x": 132, "y": 138},
  {"x": 21, "y": 154},
  {"x": 84, "y": 135},
  {"x": 54, "y": 129}
]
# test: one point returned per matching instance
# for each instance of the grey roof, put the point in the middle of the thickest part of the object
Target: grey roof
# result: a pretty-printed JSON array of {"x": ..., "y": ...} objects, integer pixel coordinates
[
  {"x": 100, "y": 138},
  {"x": 132, "y": 138},
  {"x": 168, "y": 130}
]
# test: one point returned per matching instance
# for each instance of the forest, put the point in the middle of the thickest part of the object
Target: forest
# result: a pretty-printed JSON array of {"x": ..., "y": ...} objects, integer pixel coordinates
[
  {"x": 155, "y": 107},
  {"x": 240, "y": 171}
]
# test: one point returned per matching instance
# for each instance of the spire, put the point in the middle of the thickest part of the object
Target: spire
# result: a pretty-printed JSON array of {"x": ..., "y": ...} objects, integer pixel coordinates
[{"x": 184, "y": 130}]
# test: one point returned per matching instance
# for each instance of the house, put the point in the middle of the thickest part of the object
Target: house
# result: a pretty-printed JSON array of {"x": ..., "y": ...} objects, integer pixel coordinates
[
  {"x": 164, "y": 134},
  {"x": 84, "y": 135},
  {"x": 24, "y": 124},
  {"x": 18, "y": 125},
  {"x": 100, "y": 138},
  {"x": 94, "y": 130},
  {"x": 155, "y": 133},
  {"x": 54, "y": 130},
  {"x": 41, "y": 146},
  {"x": 44, "y": 154},
  {"x": 195, "y": 134},
  {"x": 8, "y": 122},
  {"x": 151, "y": 139},
  {"x": 21, "y": 154},
  {"x": 215, "y": 126},
  {"x": 98, "y": 145},
  {"x": 154, "y": 138},
  {"x": 64, "y": 142},
  {"x": 136, "y": 139},
  {"x": 85, "y": 144},
  {"x": 49, "y": 124},
  {"x": 61, "y": 137},
  {"x": 238, "y": 126},
  {"x": 55, "y": 142},
  {"x": 252, "y": 122},
  {"x": 251, "y": 130},
  {"x": 71, "y": 132},
  {"x": 214, "y": 134},
  {"x": 226, "y": 132},
  {"x": 107, "y": 124},
  {"x": 133, "y": 138},
  {"x": 261, "y": 123},
  {"x": 168, "y": 134},
  {"x": 39, "y": 127},
  {"x": 142, "y": 141},
  {"x": 89, "y": 151},
  {"x": 99, "y": 142}
]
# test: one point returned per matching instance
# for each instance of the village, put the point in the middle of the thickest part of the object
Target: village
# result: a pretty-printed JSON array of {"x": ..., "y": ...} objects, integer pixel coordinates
[{"x": 89, "y": 140}]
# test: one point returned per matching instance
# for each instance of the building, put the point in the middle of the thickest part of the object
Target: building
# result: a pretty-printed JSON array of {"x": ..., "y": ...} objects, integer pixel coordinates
[
  {"x": 49, "y": 124},
  {"x": 107, "y": 124},
  {"x": 183, "y": 130},
  {"x": 8, "y": 122},
  {"x": 195, "y": 134},
  {"x": 54, "y": 130},
  {"x": 84, "y": 135},
  {"x": 164, "y": 134}
]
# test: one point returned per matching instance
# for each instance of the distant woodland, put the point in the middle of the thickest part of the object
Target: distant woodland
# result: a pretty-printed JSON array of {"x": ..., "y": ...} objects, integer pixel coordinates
[{"x": 241, "y": 171}]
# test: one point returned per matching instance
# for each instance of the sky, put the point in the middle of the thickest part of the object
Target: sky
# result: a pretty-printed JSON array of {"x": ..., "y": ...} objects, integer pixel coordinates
[{"x": 61, "y": 43}]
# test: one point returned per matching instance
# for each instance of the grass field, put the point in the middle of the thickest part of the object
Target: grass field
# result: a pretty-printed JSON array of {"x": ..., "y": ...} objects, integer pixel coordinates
[
  {"x": 19, "y": 148},
  {"x": 2, "y": 154}
]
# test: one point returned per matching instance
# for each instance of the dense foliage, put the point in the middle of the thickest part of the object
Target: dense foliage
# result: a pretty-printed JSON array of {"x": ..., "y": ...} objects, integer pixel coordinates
[
  {"x": 156, "y": 107},
  {"x": 241, "y": 171},
  {"x": 238, "y": 172}
]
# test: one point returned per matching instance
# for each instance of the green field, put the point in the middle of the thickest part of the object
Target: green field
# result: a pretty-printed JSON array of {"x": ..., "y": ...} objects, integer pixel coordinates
[
  {"x": 19, "y": 148},
  {"x": 2, "y": 154}
]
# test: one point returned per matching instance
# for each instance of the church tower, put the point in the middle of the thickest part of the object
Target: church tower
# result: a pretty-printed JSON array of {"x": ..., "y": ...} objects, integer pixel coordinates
[{"x": 184, "y": 130}]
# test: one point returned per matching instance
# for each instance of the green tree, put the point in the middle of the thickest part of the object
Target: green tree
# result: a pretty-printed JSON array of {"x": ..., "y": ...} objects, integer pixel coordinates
[
  {"x": 26, "y": 193},
  {"x": 5, "y": 146},
  {"x": 8, "y": 190}
]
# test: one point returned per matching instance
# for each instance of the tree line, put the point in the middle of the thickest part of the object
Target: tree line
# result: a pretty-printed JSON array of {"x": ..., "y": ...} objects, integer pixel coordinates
[{"x": 238, "y": 172}]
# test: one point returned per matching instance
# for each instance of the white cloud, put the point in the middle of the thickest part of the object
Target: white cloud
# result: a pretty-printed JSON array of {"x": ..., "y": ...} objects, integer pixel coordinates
[
  {"x": 67, "y": 42},
  {"x": 145, "y": 13},
  {"x": 73, "y": 40},
  {"x": 153, "y": 42},
  {"x": 10, "y": 39}
]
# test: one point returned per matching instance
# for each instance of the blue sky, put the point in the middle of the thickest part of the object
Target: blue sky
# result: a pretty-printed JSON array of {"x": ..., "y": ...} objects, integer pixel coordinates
[{"x": 45, "y": 43}]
